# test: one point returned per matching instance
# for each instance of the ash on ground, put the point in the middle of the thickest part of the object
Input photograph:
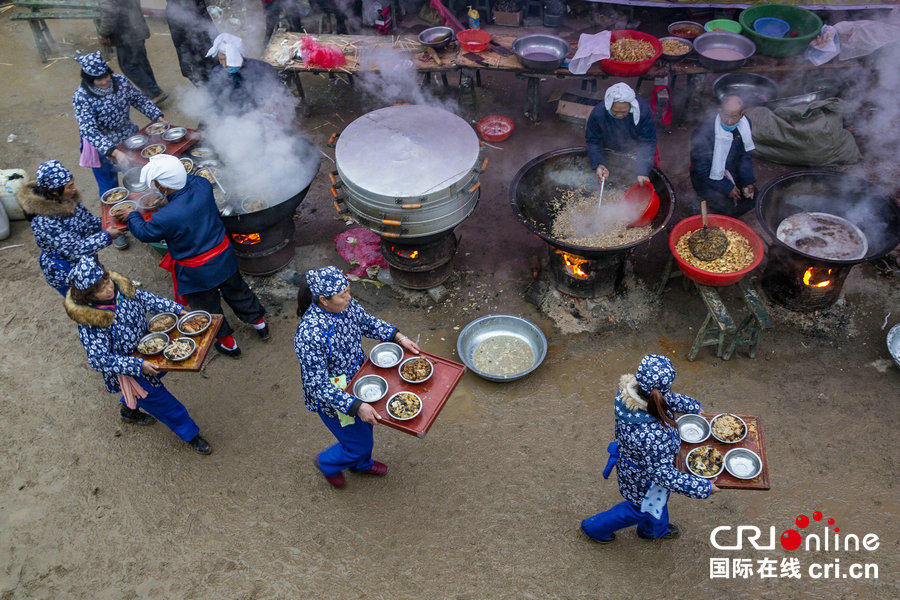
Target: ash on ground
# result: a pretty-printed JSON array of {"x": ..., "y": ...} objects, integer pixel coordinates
[{"x": 834, "y": 323}]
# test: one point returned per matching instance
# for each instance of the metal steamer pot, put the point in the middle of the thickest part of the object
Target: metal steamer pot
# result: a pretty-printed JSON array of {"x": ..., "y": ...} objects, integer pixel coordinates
[{"x": 408, "y": 172}]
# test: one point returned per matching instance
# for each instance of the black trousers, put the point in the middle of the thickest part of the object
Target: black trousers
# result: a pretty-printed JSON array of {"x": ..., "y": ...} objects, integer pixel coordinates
[
  {"x": 136, "y": 67},
  {"x": 274, "y": 11},
  {"x": 192, "y": 32},
  {"x": 723, "y": 205},
  {"x": 237, "y": 294}
]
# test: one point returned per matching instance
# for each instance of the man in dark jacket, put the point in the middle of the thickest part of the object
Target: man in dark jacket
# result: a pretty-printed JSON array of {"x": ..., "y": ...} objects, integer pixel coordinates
[
  {"x": 721, "y": 167},
  {"x": 623, "y": 123},
  {"x": 200, "y": 257},
  {"x": 122, "y": 25},
  {"x": 192, "y": 31}
]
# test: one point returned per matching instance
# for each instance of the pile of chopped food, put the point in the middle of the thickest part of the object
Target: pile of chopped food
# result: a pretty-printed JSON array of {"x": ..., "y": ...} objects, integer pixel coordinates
[
  {"x": 728, "y": 428},
  {"x": 179, "y": 349},
  {"x": 739, "y": 254},
  {"x": 161, "y": 323},
  {"x": 583, "y": 221},
  {"x": 416, "y": 369},
  {"x": 404, "y": 405},
  {"x": 194, "y": 324},
  {"x": 675, "y": 47},
  {"x": 152, "y": 346},
  {"x": 705, "y": 461},
  {"x": 627, "y": 50},
  {"x": 120, "y": 211}
]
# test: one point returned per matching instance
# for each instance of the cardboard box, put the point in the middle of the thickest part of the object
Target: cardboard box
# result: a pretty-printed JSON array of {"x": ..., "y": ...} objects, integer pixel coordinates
[
  {"x": 508, "y": 19},
  {"x": 575, "y": 105}
]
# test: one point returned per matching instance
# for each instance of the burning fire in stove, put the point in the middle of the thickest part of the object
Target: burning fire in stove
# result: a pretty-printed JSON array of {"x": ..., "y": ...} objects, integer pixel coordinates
[
  {"x": 247, "y": 239},
  {"x": 404, "y": 253},
  {"x": 573, "y": 264},
  {"x": 819, "y": 278}
]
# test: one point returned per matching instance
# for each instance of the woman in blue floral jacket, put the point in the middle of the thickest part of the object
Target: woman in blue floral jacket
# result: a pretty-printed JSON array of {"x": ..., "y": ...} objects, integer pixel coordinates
[
  {"x": 644, "y": 452},
  {"x": 111, "y": 316},
  {"x": 328, "y": 344},
  {"x": 63, "y": 228}
]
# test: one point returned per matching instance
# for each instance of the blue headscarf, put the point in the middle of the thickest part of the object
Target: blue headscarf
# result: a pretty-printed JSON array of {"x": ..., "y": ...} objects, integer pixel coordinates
[
  {"x": 51, "y": 174},
  {"x": 326, "y": 281},
  {"x": 93, "y": 64},
  {"x": 655, "y": 371},
  {"x": 85, "y": 274}
]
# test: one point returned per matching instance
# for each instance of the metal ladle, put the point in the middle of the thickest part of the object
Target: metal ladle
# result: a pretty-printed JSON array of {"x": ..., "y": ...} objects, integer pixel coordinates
[
  {"x": 707, "y": 243},
  {"x": 602, "y": 183}
]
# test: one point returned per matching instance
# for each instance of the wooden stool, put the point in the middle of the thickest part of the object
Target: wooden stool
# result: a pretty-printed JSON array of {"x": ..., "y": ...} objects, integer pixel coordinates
[
  {"x": 717, "y": 323},
  {"x": 757, "y": 318}
]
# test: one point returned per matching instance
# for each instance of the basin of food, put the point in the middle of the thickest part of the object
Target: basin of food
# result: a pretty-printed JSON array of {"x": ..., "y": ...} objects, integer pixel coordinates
[
  {"x": 705, "y": 461},
  {"x": 151, "y": 202},
  {"x": 386, "y": 355},
  {"x": 728, "y": 428},
  {"x": 823, "y": 235},
  {"x": 675, "y": 48},
  {"x": 541, "y": 51},
  {"x": 772, "y": 27},
  {"x": 114, "y": 196},
  {"x": 119, "y": 211},
  {"x": 194, "y": 323},
  {"x": 180, "y": 349},
  {"x": 745, "y": 251},
  {"x": 723, "y": 51},
  {"x": 162, "y": 322},
  {"x": 693, "y": 429},
  {"x": 436, "y": 37},
  {"x": 156, "y": 128},
  {"x": 685, "y": 29},
  {"x": 631, "y": 53},
  {"x": 187, "y": 163},
  {"x": 153, "y": 150},
  {"x": 370, "y": 388},
  {"x": 416, "y": 369},
  {"x": 501, "y": 347},
  {"x": 152, "y": 344}
]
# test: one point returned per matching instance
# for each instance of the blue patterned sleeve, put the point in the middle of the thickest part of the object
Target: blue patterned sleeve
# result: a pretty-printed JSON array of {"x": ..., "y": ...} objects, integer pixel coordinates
[
  {"x": 138, "y": 100},
  {"x": 97, "y": 342},
  {"x": 157, "y": 304},
  {"x": 317, "y": 386},
  {"x": 371, "y": 326},
  {"x": 91, "y": 221},
  {"x": 87, "y": 123},
  {"x": 660, "y": 464},
  {"x": 51, "y": 235},
  {"x": 682, "y": 404}
]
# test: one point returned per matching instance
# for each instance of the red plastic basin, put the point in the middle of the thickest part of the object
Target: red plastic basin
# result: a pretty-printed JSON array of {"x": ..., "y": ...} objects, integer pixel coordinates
[
  {"x": 708, "y": 277},
  {"x": 473, "y": 40},
  {"x": 644, "y": 196},
  {"x": 630, "y": 69},
  {"x": 494, "y": 128}
]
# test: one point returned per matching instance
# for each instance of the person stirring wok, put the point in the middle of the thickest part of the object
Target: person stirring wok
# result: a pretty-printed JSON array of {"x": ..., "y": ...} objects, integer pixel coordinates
[
  {"x": 623, "y": 123},
  {"x": 328, "y": 345}
]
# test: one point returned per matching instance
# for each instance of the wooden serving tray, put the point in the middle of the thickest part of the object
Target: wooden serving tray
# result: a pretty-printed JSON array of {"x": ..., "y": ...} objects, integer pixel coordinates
[
  {"x": 106, "y": 220},
  {"x": 434, "y": 392},
  {"x": 754, "y": 441},
  {"x": 195, "y": 361},
  {"x": 173, "y": 148}
]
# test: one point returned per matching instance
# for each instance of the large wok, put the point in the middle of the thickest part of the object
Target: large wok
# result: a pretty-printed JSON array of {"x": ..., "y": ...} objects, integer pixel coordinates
[{"x": 536, "y": 183}]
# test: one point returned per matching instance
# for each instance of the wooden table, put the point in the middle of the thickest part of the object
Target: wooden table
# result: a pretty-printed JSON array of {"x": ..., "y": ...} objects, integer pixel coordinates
[
  {"x": 754, "y": 441},
  {"x": 434, "y": 392},
  {"x": 42, "y": 10},
  {"x": 195, "y": 361}
]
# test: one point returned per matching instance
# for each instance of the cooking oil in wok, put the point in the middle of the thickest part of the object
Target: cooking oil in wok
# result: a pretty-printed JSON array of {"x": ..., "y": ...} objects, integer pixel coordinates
[{"x": 503, "y": 355}]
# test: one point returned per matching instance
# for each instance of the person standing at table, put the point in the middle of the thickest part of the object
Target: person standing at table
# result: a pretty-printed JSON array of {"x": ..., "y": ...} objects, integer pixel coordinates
[
  {"x": 122, "y": 25},
  {"x": 623, "y": 123},
  {"x": 201, "y": 260},
  {"x": 275, "y": 10},
  {"x": 192, "y": 31},
  {"x": 328, "y": 345},
  {"x": 63, "y": 228}
]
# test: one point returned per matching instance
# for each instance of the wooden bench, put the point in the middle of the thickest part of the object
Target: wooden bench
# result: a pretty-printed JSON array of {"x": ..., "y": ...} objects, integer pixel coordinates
[{"x": 40, "y": 11}]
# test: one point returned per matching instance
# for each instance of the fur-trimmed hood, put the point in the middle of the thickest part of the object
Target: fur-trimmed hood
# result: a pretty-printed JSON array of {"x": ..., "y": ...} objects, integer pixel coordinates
[
  {"x": 36, "y": 205},
  {"x": 94, "y": 317},
  {"x": 630, "y": 396}
]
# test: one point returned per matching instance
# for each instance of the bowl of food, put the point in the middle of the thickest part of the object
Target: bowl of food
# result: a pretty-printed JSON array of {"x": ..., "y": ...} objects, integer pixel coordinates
[
  {"x": 162, "y": 322},
  {"x": 151, "y": 202},
  {"x": 131, "y": 179},
  {"x": 541, "y": 52},
  {"x": 206, "y": 173},
  {"x": 631, "y": 53},
  {"x": 153, "y": 343},
  {"x": 744, "y": 253},
  {"x": 119, "y": 211},
  {"x": 685, "y": 29},
  {"x": 174, "y": 134},
  {"x": 180, "y": 349},
  {"x": 693, "y": 429},
  {"x": 743, "y": 463},
  {"x": 416, "y": 369},
  {"x": 501, "y": 348},
  {"x": 404, "y": 406},
  {"x": 473, "y": 40},
  {"x": 187, "y": 163},
  {"x": 370, "y": 388},
  {"x": 436, "y": 37},
  {"x": 386, "y": 355},
  {"x": 136, "y": 141},
  {"x": 202, "y": 153},
  {"x": 728, "y": 428},
  {"x": 705, "y": 461},
  {"x": 114, "y": 196},
  {"x": 723, "y": 51},
  {"x": 194, "y": 323},
  {"x": 893, "y": 343},
  {"x": 675, "y": 48},
  {"x": 153, "y": 150},
  {"x": 156, "y": 128}
]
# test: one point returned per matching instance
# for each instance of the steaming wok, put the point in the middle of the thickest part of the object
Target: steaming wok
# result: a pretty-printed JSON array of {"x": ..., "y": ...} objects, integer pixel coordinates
[{"x": 536, "y": 183}]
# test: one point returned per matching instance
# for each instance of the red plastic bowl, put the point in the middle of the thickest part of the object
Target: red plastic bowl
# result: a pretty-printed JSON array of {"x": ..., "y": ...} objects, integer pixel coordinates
[
  {"x": 645, "y": 196},
  {"x": 473, "y": 40},
  {"x": 708, "y": 277},
  {"x": 619, "y": 68},
  {"x": 494, "y": 128}
]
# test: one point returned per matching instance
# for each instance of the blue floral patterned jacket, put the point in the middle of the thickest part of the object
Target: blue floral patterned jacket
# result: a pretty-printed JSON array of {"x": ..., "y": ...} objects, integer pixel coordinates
[
  {"x": 648, "y": 448},
  {"x": 104, "y": 120},
  {"x": 109, "y": 337},
  {"x": 329, "y": 345},
  {"x": 64, "y": 231}
]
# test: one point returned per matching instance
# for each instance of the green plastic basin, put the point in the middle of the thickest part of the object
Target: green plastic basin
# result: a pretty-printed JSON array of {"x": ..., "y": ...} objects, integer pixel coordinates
[
  {"x": 805, "y": 22},
  {"x": 728, "y": 25}
]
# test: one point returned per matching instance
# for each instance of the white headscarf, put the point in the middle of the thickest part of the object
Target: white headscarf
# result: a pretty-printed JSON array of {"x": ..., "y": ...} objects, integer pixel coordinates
[
  {"x": 232, "y": 46},
  {"x": 165, "y": 169},
  {"x": 722, "y": 141},
  {"x": 622, "y": 92}
]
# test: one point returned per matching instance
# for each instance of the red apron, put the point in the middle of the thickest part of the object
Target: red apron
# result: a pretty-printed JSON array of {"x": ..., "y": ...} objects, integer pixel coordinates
[{"x": 168, "y": 263}]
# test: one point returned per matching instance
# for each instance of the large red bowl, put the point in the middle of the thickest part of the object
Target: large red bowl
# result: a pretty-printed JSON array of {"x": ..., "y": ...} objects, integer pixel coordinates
[
  {"x": 708, "y": 277},
  {"x": 473, "y": 40},
  {"x": 619, "y": 68}
]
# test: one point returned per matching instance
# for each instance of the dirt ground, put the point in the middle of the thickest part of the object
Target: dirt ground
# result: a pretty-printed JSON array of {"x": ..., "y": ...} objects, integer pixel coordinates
[{"x": 488, "y": 505}]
